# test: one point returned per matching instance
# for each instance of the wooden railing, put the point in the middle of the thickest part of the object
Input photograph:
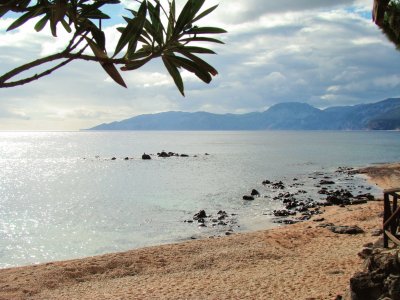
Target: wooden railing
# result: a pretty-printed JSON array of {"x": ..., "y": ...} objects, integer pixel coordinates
[{"x": 391, "y": 217}]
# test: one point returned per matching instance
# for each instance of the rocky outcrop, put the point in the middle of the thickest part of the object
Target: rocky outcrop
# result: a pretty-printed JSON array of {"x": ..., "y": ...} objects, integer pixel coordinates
[{"x": 381, "y": 278}]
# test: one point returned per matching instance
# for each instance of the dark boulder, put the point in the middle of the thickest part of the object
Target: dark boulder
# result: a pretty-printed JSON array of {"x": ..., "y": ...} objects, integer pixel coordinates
[
  {"x": 184, "y": 155},
  {"x": 265, "y": 182},
  {"x": 248, "y": 198},
  {"x": 367, "y": 196},
  {"x": 326, "y": 182},
  {"x": 278, "y": 185},
  {"x": 146, "y": 156},
  {"x": 366, "y": 286},
  {"x": 163, "y": 154},
  {"x": 254, "y": 192},
  {"x": 346, "y": 229},
  {"x": 358, "y": 201},
  {"x": 381, "y": 277},
  {"x": 200, "y": 215},
  {"x": 283, "y": 213}
]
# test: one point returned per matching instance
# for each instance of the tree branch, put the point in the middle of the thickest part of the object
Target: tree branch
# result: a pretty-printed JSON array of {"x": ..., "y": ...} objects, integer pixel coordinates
[{"x": 68, "y": 56}]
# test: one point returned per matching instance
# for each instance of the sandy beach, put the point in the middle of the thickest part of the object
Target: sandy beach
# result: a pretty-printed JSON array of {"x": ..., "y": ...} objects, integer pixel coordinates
[{"x": 300, "y": 261}]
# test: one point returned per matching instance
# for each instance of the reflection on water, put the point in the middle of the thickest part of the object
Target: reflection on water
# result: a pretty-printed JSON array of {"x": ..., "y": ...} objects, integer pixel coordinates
[{"x": 61, "y": 195}]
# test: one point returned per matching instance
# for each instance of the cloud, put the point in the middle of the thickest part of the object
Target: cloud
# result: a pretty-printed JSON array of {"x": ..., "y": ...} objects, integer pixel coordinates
[{"x": 321, "y": 52}]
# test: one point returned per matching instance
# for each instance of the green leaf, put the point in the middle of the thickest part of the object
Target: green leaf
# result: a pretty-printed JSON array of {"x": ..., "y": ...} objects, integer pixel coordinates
[
  {"x": 193, "y": 49},
  {"x": 173, "y": 71},
  {"x": 171, "y": 20},
  {"x": 187, "y": 14},
  {"x": 201, "y": 39},
  {"x": 205, "y": 13},
  {"x": 41, "y": 23},
  {"x": 57, "y": 13},
  {"x": 191, "y": 67},
  {"x": 99, "y": 37},
  {"x": 198, "y": 61},
  {"x": 33, "y": 12},
  {"x": 156, "y": 25},
  {"x": 205, "y": 30},
  {"x": 98, "y": 52},
  {"x": 133, "y": 29},
  {"x": 136, "y": 64},
  {"x": 108, "y": 67},
  {"x": 138, "y": 55},
  {"x": 96, "y": 14},
  {"x": 66, "y": 26}
]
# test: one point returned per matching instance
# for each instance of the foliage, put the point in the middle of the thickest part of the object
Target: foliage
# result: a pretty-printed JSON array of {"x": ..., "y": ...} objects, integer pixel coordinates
[
  {"x": 386, "y": 14},
  {"x": 391, "y": 22},
  {"x": 152, "y": 30}
]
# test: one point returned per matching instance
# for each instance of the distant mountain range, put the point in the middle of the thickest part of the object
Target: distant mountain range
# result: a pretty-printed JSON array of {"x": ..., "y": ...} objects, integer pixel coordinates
[{"x": 383, "y": 115}]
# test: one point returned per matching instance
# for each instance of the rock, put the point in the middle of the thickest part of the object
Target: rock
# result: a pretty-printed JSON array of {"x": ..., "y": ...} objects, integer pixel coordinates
[
  {"x": 114, "y": 158},
  {"x": 319, "y": 220},
  {"x": 184, "y": 155},
  {"x": 325, "y": 225},
  {"x": 254, "y": 192},
  {"x": 304, "y": 218},
  {"x": 265, "y": 182},
  {"x": 200, "y": 215},
  {"x": 346, "y": 229},
  {"x": 392, "y": 285},
  {"x": 365, "y": 252},
  {"x": 287, "y": 221},
  {"x": 283, "y": 213},
  {"x": 248, "y": 198},
  {"x": 163, "y": 154},
  {"x": 146, "y": 156},
  {"x": 202, "y": 225},
  {"x": 367, "y": 195},
  {"x": 365, "y": 286},
  {"x": 377, "y": 232},
  {"x": 278, "y": 185},
  {"x": 126, "y": 158},
  {"x": 326, "y": 182},
  {"x": 358, "y": 201}
]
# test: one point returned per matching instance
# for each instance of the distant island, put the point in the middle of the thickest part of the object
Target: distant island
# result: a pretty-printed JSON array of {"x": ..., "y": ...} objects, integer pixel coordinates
[{"x": 382, "y": 115}]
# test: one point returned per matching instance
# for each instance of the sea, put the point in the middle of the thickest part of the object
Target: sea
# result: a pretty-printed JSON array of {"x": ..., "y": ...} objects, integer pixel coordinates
[{"x": 66, "y": 195}]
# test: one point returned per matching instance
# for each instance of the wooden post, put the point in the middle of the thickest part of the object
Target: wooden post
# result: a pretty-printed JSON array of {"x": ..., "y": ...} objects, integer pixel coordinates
[
  {"x": 395, "y": 222},
  {"x": 386, "y": 215}
]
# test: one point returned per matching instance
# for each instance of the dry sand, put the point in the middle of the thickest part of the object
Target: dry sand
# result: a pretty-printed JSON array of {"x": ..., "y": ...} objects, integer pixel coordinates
[{"x": 298, "y": 261}]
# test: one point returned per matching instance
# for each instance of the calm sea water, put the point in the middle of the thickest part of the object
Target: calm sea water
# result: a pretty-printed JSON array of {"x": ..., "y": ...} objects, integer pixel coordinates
[{"x": 61, "y": 195}]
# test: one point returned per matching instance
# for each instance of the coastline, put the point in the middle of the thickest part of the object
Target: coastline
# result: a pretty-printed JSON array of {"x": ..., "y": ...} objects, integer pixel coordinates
[{"x": 299, "y": 261}]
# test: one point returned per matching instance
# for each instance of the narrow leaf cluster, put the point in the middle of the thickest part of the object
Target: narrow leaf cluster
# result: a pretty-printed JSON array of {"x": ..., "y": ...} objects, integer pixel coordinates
[{"x": 152, "y": 30}]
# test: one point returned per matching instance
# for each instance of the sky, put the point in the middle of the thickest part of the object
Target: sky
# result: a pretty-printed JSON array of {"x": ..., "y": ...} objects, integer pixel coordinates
[{"x": 322, "y": 52}]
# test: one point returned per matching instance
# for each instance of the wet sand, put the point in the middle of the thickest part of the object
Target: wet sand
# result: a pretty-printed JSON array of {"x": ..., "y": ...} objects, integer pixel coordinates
[{"x": 300, "y": 261}]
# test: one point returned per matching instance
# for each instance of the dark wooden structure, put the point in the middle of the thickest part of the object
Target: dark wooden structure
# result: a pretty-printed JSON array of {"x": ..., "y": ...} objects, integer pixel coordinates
[{"x": 391, "y": 217}]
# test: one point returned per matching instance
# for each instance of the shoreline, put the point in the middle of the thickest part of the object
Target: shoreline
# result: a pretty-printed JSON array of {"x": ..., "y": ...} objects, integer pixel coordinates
[{"x": 299, "y": 261}]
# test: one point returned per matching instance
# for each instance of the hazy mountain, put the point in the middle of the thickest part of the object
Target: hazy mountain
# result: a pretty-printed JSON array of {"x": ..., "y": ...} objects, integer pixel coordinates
[{"x": 383, "y": 115}]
